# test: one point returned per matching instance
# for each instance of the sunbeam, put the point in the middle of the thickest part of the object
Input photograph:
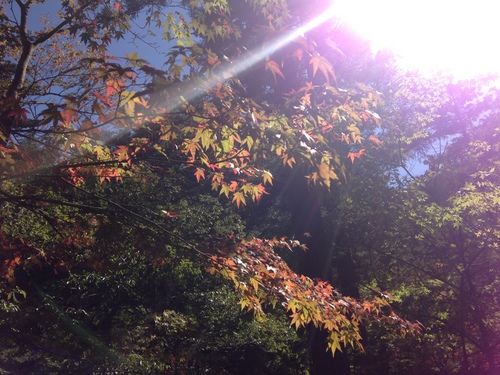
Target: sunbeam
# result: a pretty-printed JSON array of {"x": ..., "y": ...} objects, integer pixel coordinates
[{"x": 190, "y": 90}]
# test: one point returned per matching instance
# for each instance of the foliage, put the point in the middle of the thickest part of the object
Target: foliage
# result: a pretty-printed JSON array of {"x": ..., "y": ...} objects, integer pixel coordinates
[
  {"x": 134, "y": 299},
  {"x": 435, "y": 249},
  {"x": 263, "y": 278},
  {"x": 117, "y": 178}
]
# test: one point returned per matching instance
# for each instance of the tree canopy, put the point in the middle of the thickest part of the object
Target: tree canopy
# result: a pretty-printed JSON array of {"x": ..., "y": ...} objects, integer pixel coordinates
[{"x": 240, "y": 198}]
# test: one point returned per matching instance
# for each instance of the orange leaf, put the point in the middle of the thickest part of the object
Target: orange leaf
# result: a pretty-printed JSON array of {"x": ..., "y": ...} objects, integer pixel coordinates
[
  {"x": 200, "y": 174},
  {"x": 68, "y": 115},
  {"x": 110, "y": 91},
  {"x": 354, "y": 155},
  {"x": 122, "y": 153},
  {"x": 118, "y": 6},
  {"x": 375, "y": 140},
  {"x": 106, "y": 102},
  {"x": 233, "y": 185},
  {"x": 171, "y": 214}
]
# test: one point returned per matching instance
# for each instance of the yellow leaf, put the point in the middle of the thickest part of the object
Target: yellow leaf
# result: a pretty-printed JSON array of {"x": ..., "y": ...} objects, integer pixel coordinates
[
  {"x": 274, "y": 68},
  {"x": 375, "y": 140},
  {"x": 326, "y": 173},
  {"x": 267, "y": 177},
  {"x": 225, "y": 189},
  {"x": 239, "y": 198},
  {"x": 255, "y": 283},
  {"x": 324, "y": 66},
  {"x": 334, "y": 342}
]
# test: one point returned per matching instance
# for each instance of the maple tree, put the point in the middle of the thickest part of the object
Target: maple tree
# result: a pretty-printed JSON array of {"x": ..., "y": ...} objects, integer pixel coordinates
[{"x": 74, "y": 119}]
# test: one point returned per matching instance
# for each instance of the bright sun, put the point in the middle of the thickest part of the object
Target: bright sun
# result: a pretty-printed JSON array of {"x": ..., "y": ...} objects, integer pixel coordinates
[{"x": 458, "y": 36}]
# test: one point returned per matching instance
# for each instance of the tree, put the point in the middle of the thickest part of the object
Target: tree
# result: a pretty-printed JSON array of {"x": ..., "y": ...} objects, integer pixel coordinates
[
  {"x": 195, "y": 117},
  {"x": 132, "y": 299},
  {"x": 431, "y": 250}
]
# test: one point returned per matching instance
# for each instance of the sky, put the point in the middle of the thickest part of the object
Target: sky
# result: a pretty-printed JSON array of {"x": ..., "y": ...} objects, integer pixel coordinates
[{"x": 457, "y": 36}]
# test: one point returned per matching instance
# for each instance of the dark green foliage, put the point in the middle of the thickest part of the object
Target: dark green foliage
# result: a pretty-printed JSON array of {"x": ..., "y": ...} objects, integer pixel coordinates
[{"x": 128, "y": 299}]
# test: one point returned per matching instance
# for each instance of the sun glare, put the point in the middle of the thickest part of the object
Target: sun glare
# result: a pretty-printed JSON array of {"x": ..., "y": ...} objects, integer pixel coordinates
[{"x": 458, "y": 36}]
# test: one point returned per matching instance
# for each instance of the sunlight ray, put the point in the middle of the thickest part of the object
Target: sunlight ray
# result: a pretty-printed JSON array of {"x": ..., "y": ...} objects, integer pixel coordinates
[{"x": 191, "y": 90}]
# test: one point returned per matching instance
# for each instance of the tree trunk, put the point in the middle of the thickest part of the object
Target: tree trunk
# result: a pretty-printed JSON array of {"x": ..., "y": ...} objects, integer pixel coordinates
[{"x": 316, "y": 262}]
